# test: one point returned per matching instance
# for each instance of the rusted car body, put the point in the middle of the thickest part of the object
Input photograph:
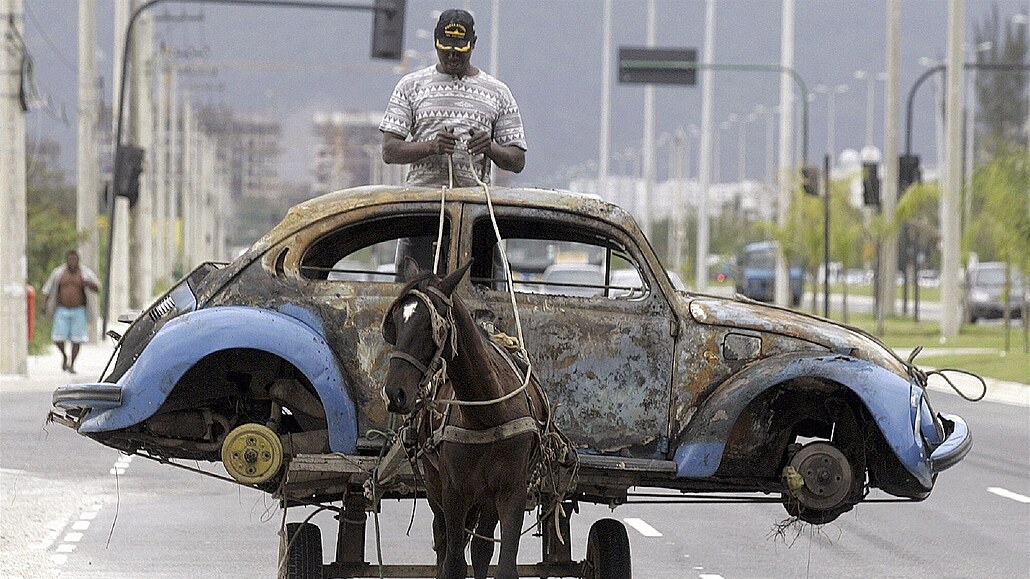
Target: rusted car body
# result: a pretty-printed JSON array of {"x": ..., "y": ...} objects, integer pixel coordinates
[{"x": 701, "y": 393}]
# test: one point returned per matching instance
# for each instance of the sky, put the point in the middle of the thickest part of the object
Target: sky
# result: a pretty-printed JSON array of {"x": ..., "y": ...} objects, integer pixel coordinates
[{"x": 288, "y": 64}]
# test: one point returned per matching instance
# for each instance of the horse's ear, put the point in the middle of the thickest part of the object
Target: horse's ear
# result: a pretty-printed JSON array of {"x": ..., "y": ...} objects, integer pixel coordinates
[
  {"x": 408, "y": 270},
  {"x": 450, "y": 282}
]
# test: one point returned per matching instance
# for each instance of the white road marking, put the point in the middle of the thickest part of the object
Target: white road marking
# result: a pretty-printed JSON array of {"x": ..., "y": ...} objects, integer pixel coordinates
[
  {"x": 73, "y": 537},
  {"x": 642, "y": 527},
  {"x": 80, "y": 525},
  {"x": 88, "y": 516},
  {"x": 59, "y": 558},
  {"x": 1009, "y": 494},
  {"x": 709, "y": 576},
  {"x": 65, "y": 548}
]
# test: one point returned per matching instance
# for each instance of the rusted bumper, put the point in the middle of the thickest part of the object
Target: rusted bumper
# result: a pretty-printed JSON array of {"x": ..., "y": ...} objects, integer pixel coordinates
[{"x": 956, "y": 445}]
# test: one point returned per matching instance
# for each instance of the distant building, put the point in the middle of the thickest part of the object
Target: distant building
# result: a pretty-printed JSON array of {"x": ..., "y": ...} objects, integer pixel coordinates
[
  {"x": 249, "y": 150},
  {"x": 348, "y": 152}
]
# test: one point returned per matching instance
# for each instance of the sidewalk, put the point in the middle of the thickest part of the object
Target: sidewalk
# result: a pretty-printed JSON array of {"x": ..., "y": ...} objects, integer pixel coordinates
[{"x": 44, "y": 370}]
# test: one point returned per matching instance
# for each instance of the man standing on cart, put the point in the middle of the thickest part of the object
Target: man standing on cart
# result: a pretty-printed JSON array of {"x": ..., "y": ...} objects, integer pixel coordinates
[{"x": 449, "y": 120}]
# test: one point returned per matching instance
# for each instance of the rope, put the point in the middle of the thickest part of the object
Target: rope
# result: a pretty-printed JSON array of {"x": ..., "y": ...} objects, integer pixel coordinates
[{"x": 923, "y": 377}]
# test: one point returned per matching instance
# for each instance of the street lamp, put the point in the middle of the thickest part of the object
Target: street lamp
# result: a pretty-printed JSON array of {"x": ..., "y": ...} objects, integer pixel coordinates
[
  {"x": 870, "y": 100},
  {"x": 831, "y": 97},
  {"x": 770, "y": 136}
]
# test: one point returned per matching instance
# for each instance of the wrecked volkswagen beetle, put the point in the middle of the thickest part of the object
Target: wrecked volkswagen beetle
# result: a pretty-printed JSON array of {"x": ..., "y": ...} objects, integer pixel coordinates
[{"x": 279, "y": 354}]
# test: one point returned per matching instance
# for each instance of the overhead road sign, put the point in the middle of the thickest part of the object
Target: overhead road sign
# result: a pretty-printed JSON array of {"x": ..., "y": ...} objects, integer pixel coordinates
[{"x": 658, "y": 65}]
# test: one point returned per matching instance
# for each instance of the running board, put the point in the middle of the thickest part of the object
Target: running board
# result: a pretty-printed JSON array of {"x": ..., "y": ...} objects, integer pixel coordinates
[{"x": 620, "y": 463}]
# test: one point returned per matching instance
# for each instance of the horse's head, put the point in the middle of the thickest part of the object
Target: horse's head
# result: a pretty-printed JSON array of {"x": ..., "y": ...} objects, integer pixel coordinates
[{"x": 419, "y": 326}]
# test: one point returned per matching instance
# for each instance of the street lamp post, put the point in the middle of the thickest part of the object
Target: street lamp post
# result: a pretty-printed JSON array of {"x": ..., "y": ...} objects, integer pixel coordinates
[
  {"x": 831, "y": 97},
  {"x": 870, "y": 105}
]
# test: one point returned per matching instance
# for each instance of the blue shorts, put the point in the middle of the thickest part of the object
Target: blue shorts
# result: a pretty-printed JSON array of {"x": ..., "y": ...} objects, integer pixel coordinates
[{"x": 70, "y": 325}]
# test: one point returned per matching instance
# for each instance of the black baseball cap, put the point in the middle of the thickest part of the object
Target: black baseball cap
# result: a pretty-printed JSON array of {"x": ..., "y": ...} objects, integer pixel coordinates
[{"x": 455, "y": 30}]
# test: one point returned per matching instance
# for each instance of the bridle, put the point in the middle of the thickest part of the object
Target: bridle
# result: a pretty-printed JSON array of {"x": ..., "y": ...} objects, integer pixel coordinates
[{"x": 433, "y": 372}]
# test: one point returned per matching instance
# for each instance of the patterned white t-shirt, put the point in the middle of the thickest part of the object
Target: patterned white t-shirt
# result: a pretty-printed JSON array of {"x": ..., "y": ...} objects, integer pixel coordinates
[{"x": 428, "y": 101}]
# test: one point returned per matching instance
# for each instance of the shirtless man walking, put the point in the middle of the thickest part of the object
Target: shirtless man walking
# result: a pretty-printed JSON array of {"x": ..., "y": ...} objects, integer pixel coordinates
[{"x": 65, "y": 296}]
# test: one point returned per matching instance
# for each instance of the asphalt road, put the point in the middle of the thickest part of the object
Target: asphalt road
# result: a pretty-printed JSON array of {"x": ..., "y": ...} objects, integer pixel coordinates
[{"x": 70, "y": 507}]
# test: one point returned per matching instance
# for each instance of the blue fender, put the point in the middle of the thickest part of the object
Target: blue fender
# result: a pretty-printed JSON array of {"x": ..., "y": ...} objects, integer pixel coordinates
[
  {"x": 187, "y": 339},
  {"x": 890, "y": 399}
]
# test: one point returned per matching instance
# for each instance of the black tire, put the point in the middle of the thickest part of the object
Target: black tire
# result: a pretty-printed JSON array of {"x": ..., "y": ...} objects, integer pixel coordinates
[
  {"x": 608, "y": 554},
  {"x": 300, "y": 552}
]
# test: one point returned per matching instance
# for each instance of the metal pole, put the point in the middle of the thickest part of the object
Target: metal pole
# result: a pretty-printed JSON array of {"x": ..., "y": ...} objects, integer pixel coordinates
[
  {"x": 827, "y": 161},
  {"x": 786, "y": 175},
  {"x": 888, "y": 261},
  {"x": 495, "y": 33},
  {"x": 13, "y": 265},
  {"x": 649, "y": 144},
  {"x": 87, "y": 166},
  {"x": 606, "y": 92},
  {"x": 950, "y": 195},
  {"x": 705, "y": 168},
  {"x": 141, "y": 214}
]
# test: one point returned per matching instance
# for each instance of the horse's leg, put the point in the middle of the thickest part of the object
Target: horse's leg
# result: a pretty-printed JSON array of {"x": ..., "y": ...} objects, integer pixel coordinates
[
  {"x": 439, "y": 538},
  {"x": 511, "y": 508},
  {"x": 482, "y": 549},
  {"x": 455, "y": 511},
  {"x": 433, "y": 496}
]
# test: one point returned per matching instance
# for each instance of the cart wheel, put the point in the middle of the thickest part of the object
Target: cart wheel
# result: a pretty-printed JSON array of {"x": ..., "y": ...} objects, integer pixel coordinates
[
  {"x": 607, "y": 551},
  {"x": 300, "y": 552}
]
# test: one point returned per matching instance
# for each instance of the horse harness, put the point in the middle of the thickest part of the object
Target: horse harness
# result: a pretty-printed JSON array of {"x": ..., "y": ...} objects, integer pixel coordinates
[{"x": 435, "y": 372}]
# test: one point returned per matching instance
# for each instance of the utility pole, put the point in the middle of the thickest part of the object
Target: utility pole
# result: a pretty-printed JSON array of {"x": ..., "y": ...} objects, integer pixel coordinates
[
  {"x": 495, "y": 32},
  {"x": 677, "y": 142},
  {"x": 159, "y": 168},
  {"x": 705, "y": 169},
  {"x": 606, "y": 98},
  {"x": 952, "y": 189},
  {"x": 786, "y": 173},
  {"x": 174, "y": 257},
  {"x": 87, "y": 164},
  {"x": 141, "y": 131},
  {"x": 888, "y": 258},
  {"x": 649, "y": 145},
  {"x": 13, "y": 268},
  {"x": 119, "y": 243}
]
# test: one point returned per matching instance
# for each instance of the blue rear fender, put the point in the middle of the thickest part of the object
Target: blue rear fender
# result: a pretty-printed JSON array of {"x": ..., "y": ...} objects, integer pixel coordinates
[
  {"x": 890, "y": 399},
  {"x": 188, "y": 339}
]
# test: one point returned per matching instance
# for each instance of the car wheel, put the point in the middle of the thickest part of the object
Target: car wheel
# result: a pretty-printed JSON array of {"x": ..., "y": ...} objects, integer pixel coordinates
[
  {"x": 607, "y": 551},
  {"x": 252, "y": 454},
  {"x": 822, "y": 483},
  {"x": 300, "y": 552}
]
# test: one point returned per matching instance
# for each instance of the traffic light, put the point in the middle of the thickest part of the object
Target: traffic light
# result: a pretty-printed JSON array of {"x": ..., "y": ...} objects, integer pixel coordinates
[
  {"x": 871, "y": 184},
  {"x": 388, "y": 29},
  {"x": 810, "y": 180},
  {"x": 908, "y": 172},
  {"x": 126, "y": 173}
]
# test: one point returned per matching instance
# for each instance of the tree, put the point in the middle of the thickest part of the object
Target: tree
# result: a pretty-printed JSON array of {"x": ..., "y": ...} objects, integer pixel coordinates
[
  {"x": 1001, "y": 229},
  {"x": 1001, "y": 95}
]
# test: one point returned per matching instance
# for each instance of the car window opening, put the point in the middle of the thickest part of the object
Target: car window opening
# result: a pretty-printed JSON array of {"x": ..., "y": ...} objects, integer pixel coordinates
[
  {"x": 555, "y": 259},
  {"x": 367, "y": 251}
]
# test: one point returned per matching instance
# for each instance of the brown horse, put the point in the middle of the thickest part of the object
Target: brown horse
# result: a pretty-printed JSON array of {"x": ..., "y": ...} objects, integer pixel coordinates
[{"x": 476, "y": 459}]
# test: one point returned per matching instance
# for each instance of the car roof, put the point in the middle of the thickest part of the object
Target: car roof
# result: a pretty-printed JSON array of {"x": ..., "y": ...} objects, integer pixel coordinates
[{"x": 307, "y": 212}]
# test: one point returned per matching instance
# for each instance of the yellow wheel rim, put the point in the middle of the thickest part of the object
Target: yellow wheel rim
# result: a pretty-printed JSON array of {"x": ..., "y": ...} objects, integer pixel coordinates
[{"x": 252, "y": 453}]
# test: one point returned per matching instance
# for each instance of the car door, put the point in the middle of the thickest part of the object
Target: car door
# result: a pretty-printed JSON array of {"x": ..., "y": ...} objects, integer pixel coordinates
[
  {"x": 345, "y": 272},
  {"x": 604, "y": 355}
]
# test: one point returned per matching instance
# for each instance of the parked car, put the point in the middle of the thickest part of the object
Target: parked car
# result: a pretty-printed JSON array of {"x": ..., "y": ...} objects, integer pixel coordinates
[
  {"x": 756, "y": 274},
  {"x": 682, "y": 390},
  {"x": 985, "y": 286}
]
